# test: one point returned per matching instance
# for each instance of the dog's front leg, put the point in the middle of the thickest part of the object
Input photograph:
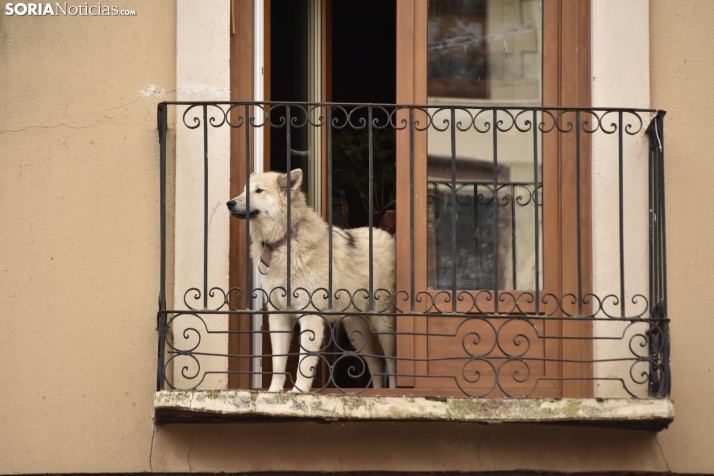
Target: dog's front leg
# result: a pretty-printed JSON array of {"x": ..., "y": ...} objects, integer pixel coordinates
[
  {"x": 281, "y": 333},
  {"x": 312, "y": 330}
]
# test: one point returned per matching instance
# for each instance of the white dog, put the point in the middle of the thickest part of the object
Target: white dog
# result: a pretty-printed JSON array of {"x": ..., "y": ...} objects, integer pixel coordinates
[{"x": 309, "y": 248}]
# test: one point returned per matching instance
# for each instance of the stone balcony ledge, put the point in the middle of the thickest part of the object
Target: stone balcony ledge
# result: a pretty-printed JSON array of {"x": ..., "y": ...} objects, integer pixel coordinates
[{"x": 241, "y": 405}]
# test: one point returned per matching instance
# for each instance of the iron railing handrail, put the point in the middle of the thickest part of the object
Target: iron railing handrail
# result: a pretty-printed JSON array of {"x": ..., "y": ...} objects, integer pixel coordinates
[{"x": 659, "y": 378}]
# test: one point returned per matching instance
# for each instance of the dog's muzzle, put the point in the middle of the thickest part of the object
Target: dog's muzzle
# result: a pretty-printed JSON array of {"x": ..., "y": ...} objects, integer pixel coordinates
[{"x": 239, "y": 213}]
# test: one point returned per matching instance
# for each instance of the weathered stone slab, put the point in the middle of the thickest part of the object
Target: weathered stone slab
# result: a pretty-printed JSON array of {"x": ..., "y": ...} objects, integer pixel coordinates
[{"x": 231, "y": 405}]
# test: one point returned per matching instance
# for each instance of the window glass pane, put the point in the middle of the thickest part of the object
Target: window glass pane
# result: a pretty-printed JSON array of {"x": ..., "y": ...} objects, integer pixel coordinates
[
  {"x": 484, "y": 53},
  {"x": 485, "y": 49}
]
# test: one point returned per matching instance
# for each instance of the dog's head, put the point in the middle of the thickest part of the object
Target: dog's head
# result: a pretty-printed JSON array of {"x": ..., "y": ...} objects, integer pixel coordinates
[{"x": 268, "y": 195}]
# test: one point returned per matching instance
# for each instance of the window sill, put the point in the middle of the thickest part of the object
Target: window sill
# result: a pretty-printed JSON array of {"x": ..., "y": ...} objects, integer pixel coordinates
[{"x": 241, "y": 405}]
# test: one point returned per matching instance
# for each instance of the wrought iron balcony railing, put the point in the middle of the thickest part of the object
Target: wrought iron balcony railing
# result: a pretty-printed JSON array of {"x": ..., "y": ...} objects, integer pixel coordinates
[{"x": 504, "y": 251}]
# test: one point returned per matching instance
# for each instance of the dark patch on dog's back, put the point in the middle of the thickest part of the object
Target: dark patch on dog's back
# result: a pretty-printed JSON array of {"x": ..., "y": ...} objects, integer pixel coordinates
[
  {"x": 347, "y": 236},
  {"x": 350, "y": 239}
]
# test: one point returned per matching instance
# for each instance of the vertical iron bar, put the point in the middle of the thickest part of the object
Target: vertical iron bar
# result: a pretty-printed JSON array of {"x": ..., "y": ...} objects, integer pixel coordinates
[
  {"x": 329, "y": 205},
  {"x": 478, "y": 262},
  {"x": 160, "y": 373},
  {"x": 535, "y": 205},
  {"x": 205, "y": 206},
  {"x": 656, "y": 333},
  {"x": 658, "y": 225},
  {"x": 658, "y": 235},
  {"x": 371, "y": 209},
  {"x": 495, "y": 211},
  {"x": 411, "y": 205},
  {"x": 160, "y": 377},
  {"x": 651, "y": 187},
  {"x": 622, "y": 219},
  {"x": 162, "y": 200},
  {"x": 289, "y": 192},
  {"x": 513, "y": 234},
  {"x": 577, "y": 199},
  {"x": 248, "y": 291},
  {"x": 653, "y": 338},
  {"x": 659, "y": 124},
  {"x": 655, "y": 228},
  {"x": 453, "y": 210},
  {"x": 660, "y": 127}
]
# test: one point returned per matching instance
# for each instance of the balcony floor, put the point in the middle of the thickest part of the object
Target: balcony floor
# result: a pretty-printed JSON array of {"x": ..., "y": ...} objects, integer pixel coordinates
[{"x": 241, "y": 405}]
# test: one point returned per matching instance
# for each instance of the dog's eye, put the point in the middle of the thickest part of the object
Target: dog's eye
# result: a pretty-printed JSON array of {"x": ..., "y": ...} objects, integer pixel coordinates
[{"x": 258, "y": 190}]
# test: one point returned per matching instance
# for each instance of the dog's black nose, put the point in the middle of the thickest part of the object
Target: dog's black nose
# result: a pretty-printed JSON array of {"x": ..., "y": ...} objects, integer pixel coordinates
[{"x": 231, "y": 204}]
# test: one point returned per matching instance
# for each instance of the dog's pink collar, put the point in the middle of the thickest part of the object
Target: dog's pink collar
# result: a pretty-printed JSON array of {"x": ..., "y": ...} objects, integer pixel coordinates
[{"x": 268, "y": 248}]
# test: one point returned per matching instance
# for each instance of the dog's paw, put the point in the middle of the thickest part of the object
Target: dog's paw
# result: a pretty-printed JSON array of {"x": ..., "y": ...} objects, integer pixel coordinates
[
  {"x": 275, "y": 389},
  {"x": 296, "y": 390}
]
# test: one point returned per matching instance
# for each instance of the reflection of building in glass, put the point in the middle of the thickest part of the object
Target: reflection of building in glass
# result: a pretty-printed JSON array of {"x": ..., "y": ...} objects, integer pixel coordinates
[
  {"x": 482, "y": 52},
  {"x": 482, "y": 232},
  {"x": 457, "y": 49},
  {"x": 485, "y": 49}
]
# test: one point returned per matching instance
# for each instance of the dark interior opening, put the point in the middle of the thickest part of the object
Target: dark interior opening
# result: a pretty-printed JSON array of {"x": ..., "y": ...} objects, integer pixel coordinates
[
  {"x": 363, "y": 70},
  {"x": 288, "y": 82},
  {"x": 364, "y": 51}
]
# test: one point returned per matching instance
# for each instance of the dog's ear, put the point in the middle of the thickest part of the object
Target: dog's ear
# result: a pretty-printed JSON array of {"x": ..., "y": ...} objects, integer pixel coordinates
[{"x": 295, "y": 180}]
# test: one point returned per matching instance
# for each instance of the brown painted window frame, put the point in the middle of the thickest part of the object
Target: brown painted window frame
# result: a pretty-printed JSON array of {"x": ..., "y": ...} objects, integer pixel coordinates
[
  {"x": 566, "y": 71},
  {"x": 566, "y": 79},
  {"x": 241, "y": 79}
]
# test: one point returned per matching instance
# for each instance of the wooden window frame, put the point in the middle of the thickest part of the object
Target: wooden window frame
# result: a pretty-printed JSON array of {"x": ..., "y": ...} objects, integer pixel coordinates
[
  {"x": 566, "y": 73},
  {"x": 566, "y": 79},
  {"x": 241, "y": 78},
  {"x": 242, "y": 82}
]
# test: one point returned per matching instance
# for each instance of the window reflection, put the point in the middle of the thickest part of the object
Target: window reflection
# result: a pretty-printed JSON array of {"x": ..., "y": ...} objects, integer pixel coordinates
[
  {"x": 483, "y": 53},
  {"x": 485, "y": 49}
]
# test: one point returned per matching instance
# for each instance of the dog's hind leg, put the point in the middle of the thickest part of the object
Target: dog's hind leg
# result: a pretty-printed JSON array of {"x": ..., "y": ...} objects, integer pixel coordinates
[
  {"x": 281, "y": 333},
  {"x": 361, "y": 337},
  {"x": 385, "y": 327},
  {"x": 312, "y": 330},
  {"x": 392, "y": 372}
]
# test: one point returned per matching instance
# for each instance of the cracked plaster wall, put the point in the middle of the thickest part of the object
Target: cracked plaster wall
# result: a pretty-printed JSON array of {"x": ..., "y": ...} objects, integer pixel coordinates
[{"x": 79, "y": 238}]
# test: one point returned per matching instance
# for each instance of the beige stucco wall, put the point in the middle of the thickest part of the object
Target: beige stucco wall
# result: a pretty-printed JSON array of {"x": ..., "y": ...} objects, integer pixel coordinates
[
  {"x": 79, "y": 275},
  {"x": 620, "y": 80},
  {"x": 202, "y": 74},
  {"x": 681, "y": 71},
  {"x": 79, "y": 235}
]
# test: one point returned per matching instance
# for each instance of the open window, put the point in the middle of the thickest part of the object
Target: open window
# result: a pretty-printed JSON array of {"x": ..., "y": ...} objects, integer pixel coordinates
[
  {"x": 310, "y": 51},
  {"x": 504, "y": 230}
]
